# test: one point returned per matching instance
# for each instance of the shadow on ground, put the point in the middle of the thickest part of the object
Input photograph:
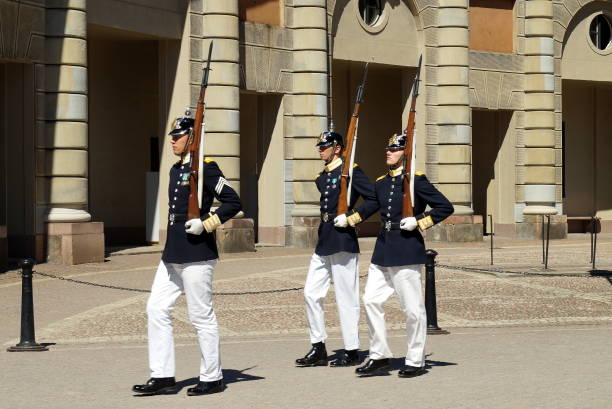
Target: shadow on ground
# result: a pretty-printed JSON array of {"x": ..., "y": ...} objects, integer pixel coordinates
[{"x": 229, "y": 376}]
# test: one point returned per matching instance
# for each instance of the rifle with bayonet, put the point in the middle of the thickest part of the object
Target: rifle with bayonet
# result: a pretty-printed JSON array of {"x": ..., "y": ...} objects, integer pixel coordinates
[
  {"x": 195, "y": 148},
  {"x": 348, "y": 155},
  {"x": 408, "y": 177}
]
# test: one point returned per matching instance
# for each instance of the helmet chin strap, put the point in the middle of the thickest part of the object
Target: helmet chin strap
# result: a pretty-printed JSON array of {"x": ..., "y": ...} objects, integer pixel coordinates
[
  {"x": 331, "y": 157},
  {"x": 398, "y": 163},
  {"x": 186, "y": 147}
]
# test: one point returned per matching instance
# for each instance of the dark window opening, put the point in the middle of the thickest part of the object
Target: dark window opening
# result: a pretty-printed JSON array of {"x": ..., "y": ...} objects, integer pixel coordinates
[
  {"x": 600, "y": 31},
  {"x": 370, "y": 11}
]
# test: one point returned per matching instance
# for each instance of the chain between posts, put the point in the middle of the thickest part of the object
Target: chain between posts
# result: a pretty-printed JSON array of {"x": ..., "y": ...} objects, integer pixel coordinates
[
  {"x": 140, "y": 290},
  {"x": 511, "y": 273}
]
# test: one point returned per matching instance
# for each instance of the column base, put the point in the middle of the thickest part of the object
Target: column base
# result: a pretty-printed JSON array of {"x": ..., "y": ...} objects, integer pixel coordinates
[
  {"x": 236, "y": 235},
  {"x": 303, "y": 233},
  {"x": 532, "y": 228},
  {"x": 75, "y": 243},
  {"x": 271, "y": 235},
  {"x": 458, "y": 229}
]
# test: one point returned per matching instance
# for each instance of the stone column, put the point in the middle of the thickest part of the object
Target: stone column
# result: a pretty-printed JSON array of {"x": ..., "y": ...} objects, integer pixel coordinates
[
  {"x": 62, "y": 184},
  {"x": 539, "y": 139},
  {"x": 539, "y": 174},
  {"x": 449, "y": 151},
  {"x": 217, "y": 21},
  {"x": 305, "y": 117},
  {"x": 454, "y": 159}
]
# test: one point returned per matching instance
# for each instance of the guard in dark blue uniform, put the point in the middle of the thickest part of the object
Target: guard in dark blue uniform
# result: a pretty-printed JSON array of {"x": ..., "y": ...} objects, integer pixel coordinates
[
  {"x": 397, "y": 262},
  {"x": 187, "y": 265},
  {"x": 336, "y": 256}
]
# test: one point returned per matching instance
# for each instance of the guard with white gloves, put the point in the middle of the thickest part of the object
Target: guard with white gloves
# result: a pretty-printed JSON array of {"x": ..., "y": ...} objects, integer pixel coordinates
[
  {"x": 397, "y": 262},
  {"x": 336, "y": 256},
  {"x": 187, "y": 265},
  {"x": 408, "y": 224}
]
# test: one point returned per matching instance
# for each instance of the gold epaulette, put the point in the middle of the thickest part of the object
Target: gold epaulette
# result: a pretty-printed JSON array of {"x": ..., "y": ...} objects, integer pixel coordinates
[
  {"x": 381, "y": 177},
  {"x": 208, "y": 160},
  {"x": 318, "y": 174},
  {"x": 355, "y": 165},
  {"x": 419, "y": 173}
]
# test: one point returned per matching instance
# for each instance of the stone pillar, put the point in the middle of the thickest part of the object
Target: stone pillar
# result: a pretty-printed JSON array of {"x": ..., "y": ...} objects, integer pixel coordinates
[
  {"x": 539, "y": 172},
  {"x": 217, "y": 21},
  {"x": 305, "y": 117},
  {"x": 62, "y": 157},
  {"x": 449, "y": 151}
]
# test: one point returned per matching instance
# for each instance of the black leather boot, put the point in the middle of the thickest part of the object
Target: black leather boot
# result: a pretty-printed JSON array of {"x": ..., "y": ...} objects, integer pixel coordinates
[
  {"x": 411, "y": 371},
  {"x": 374, "y": 367},
  {"x": 157, "y": 386},
  {"x": 346, "y": 358},
  {"x": 206, "y": 388},
  {"x": 317, "y": 356}
]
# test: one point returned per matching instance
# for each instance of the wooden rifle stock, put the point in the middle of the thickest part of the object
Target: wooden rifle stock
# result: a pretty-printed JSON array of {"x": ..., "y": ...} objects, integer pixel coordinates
[
  {"x": 351, "y": 134},
  {"x": 407, "y": 205},
  {"x": 193, "y": 209}
]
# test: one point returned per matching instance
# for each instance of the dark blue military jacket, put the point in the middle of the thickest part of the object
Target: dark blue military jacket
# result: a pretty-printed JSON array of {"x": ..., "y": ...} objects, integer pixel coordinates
[
  {"x": 396, "y": 247},
  {"x": 182, "y": 247},
  {"x": 335, "y": 239}
]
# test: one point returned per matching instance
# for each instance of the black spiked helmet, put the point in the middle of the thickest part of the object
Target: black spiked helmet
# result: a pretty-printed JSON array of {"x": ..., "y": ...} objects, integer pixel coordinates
[
  {"x": 397, "y": 141},
  {"x": 329, "y": 138},
  {"x": 182, "y": 125}
]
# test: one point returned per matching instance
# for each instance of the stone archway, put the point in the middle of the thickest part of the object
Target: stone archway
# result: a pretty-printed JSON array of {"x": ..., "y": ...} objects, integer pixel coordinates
[{"x": 586, "y": 78}]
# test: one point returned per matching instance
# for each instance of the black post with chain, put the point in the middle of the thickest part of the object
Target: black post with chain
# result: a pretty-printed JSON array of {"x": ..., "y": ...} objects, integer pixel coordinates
[
  {"x": 27, "y": 340},
  {"x": 430, "y": 293}
]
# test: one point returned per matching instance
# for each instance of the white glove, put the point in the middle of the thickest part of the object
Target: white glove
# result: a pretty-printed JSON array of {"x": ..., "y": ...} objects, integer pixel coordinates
[
  {"x": 340, "y": 221},
  {"x": 408, "y": 223},
  {"x": 194, "y": 226}
]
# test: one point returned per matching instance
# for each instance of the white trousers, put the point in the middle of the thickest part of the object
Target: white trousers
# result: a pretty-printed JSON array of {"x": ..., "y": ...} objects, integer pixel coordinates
[
  {"x": 195, "y": 279},
  {"x": 343, "y": 269},
  {"x": 406, "y": 282}
]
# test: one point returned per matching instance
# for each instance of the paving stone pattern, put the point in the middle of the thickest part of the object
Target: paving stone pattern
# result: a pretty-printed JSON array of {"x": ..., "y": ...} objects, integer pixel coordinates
[{"x": 465, "y": 298}]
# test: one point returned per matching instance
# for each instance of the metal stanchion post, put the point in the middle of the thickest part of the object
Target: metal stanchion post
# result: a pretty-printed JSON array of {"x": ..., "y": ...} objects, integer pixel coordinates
[
  {"x": 547, "y": 241},
  {"x": 27, "y": 341},
  {"x": 542, "y": 231},
  {"x": 491, "y": 234},
  {"x": 594, "y": 247},
  {"x": 430, "y": 293},
  {"x": 592, "y": 234}
]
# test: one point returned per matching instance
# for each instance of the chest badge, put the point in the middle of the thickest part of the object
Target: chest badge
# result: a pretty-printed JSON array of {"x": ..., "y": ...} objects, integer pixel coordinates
[{"x": 184, "y": 179}]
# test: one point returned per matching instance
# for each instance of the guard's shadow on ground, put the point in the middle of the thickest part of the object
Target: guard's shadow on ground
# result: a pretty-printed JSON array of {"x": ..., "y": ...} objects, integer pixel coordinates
[
  {"x": 397, "y": 363},
  {"x": 229, "y": 376}
]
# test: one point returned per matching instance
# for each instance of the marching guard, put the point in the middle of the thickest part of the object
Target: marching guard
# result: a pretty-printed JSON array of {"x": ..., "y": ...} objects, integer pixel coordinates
[
  {"x": 187, "y": 265},
  {"x": 336, "y": 256},
  {"x": 397, "y": 262}
]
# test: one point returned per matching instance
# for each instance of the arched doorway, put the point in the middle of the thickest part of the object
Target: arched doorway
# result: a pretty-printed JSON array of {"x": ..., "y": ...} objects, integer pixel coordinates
[
  {"x": 387, "y": 35},
  {"x": 587, "y": 106}
]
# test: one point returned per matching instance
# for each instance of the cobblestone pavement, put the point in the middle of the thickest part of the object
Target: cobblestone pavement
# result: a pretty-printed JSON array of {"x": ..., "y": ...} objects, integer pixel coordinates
[
  {"x": 515, "y": 293},
  {"x": 566, "y": 293}
]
